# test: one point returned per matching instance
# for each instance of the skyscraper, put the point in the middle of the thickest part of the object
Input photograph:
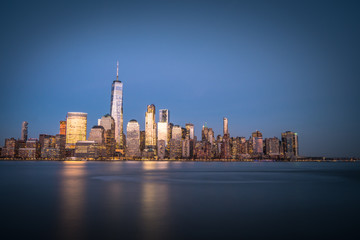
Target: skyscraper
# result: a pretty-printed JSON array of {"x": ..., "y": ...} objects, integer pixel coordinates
[
  {"x": 108, "y": 123},
  {"x": 150, "y": 127},
  {"x": 62, "y": 128},
  {"x": 272, "y": 146},
  {"x": 190, "y": 130},
  {"x": 24, "y": 131},
  {"x": 257, "y": 142},
  {"x": 116, "y": 108},
  {"x": 133, "y": 139},
  {"x": 75, "y": 128},
  {"x": 176, "y": 143},
  {"x": 225, "y": 123},
  {"x": 164, "y": 115},
  {"x": 162, "y": 128},
  {"x": 290, "y": 144},
  {"x": 97, "y": 134}
]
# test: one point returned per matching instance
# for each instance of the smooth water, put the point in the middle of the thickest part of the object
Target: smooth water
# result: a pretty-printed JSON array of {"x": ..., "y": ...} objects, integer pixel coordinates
[{"x": 179, "y": 200}]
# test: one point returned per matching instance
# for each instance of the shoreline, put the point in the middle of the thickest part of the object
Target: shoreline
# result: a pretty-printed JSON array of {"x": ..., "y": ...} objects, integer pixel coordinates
[{"x": 190, "y": 160}]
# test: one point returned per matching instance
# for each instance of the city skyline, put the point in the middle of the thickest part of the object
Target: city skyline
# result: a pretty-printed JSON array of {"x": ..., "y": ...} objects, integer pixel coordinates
[{"x": 260, "y": 66}]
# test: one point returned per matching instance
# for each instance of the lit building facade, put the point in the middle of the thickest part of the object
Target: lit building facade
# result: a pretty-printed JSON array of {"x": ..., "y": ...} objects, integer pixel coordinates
[
  {"x": 272, "y": 146},
  {"x": 257, "y": 142},
  {"x": 162, "y": 130},
  {"x": 24, "y": 131},
  {"x": 150, "y": 127},
  {"x": 290, "y": 144},
  {"x": 62, "y": 128},
  {"x": 190, "y": 130},
  {"x": 225, "y": 126},
  {"x": 88, "y": 150},
  {"x": 116, "y": 109},
  {"x": 75, "y": 128},
  {"x": 97, "y": 134},
  {"x": 163, "y": 126},
  {"x": 133, "y": 139},
  {"x": 108, "y": 123},
  {"x": 176, "y": 142},
  {"x": 11, "y": 148},
  {"x": 164, "y": 115}
]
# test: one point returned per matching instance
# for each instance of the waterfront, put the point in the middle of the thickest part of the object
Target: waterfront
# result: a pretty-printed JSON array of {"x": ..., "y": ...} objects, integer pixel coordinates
[{"x": 179, "y": 200}]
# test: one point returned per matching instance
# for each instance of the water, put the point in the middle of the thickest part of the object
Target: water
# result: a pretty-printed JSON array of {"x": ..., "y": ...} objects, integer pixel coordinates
[{"x": 179, "y": 200}]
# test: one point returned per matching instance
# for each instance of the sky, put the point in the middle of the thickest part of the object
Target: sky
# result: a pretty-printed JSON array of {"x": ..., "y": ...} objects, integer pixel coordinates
[{"x": 271, "y": 66}]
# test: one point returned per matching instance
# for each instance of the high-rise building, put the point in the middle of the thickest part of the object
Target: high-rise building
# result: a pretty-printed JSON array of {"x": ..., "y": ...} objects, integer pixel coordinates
[
  {"x": 62, "y": 128},
  {"x": 75, "y": 128},
  {"x": 161, "y": 149},
  {"x": 60, "y": 146},
  {"x": 150, "y": 127},
  {"x": 163, "y": 127},
  {"x": 108, "y": 123},
  {"x": 31, "y": 150},
  {"x": 164, "y": 115},
  {"x": 142, "y": 141},
  {"x": 162, "y": 132},
  {"x": 290, "y": 144},
  {"x": 272, "y": 146},
  {"x": 176, "y": 143},
  {"x": 97, "y": 134},
  {"x": 190, "y": 130},
  {"x": 133, "y": 139},
  {"x": 176, "y": 132},
  {"x": 257, "y": 142},
  {"x": 24, "y": 131},
  {"x": 204, "y": 133},
  {"x": 116, "y": 108},
  {"x": 11, "y": 148},
  {"x": 225, "y": 127}
]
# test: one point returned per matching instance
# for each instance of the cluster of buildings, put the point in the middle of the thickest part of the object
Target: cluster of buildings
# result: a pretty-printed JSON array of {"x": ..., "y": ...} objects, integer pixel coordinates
[{"x": 160, "y": 140}]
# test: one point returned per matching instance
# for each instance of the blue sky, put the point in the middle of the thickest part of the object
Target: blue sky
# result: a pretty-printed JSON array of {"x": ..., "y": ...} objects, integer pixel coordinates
[{"x": 265, "y": 65}]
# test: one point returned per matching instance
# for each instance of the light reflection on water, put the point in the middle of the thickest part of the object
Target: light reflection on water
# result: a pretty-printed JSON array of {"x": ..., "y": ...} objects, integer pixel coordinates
[
  {"x": 144, "y": 199},
  {"x": 72, "y": 200}
]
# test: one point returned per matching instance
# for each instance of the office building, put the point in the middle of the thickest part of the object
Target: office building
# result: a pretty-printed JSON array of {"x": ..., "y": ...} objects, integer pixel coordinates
[
  {"x": 116, "y": 109},
  {"x": 62, "y": 128},
  {"x": 24, "y": 131},
  {"x": 150, "y": 127},
  {"x": 190, "y": 130},
  {"x": 75, "y": 128},
  {"x": 290, "y": 144},
  {"x": 225, "y": 126},
  {"x": 176, "y": 142},
  {"x": 164, "y": 115},
  {"x": 108, "y": 123},
  {"x": 86, "y": 150},
  {"x": 257, "y": 142},
  {"x": 11, "y": 148},
  {"x": 133, "y": 139},
  {"x": 97, "y": 134}
]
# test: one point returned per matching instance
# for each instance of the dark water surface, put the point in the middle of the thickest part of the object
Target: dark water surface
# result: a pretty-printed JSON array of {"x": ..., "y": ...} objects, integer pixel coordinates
[{"x": 179, "y": 200}]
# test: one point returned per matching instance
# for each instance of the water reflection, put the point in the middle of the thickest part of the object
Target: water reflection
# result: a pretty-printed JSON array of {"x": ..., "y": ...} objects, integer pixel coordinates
[
  {"x": 154, "y": 165},
  {"x": 72, "y": 199},
  {"x": 154, "y": 203}
]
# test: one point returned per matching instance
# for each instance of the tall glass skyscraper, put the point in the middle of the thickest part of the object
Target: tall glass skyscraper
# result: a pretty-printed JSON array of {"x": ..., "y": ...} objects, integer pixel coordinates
[
  {"x": 150, "y": 127},
  {"x": 116, "y": 108}
]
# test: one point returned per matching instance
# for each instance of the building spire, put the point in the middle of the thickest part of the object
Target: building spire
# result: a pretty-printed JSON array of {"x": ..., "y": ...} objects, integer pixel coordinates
[{"x": 117, "y": 71}]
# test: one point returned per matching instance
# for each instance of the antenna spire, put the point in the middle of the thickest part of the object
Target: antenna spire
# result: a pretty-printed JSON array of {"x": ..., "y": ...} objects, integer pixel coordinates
[{"x": 117, "y": 71}]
